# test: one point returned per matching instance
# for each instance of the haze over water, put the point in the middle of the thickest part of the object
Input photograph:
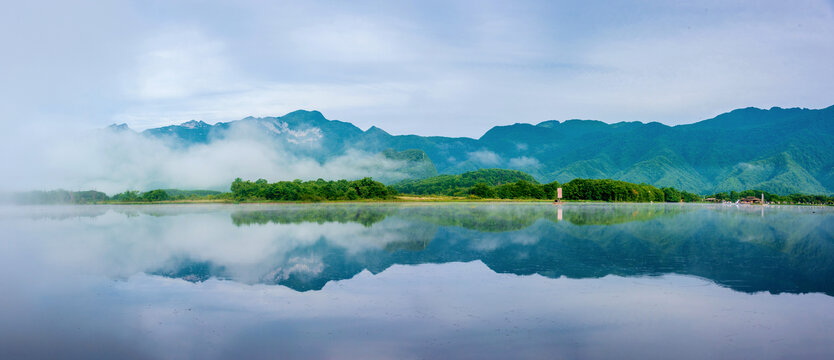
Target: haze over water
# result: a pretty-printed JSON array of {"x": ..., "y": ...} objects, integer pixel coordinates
[{"x": 475, "y": 280}]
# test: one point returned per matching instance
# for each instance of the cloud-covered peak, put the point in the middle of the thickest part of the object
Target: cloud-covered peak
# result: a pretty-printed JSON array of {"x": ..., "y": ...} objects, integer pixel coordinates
[
  {"x": 118, "y": 127},
  {"x": 194, "y": 124}
]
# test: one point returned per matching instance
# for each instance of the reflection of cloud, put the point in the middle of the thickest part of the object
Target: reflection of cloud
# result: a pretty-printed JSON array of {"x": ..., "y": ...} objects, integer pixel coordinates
[
  {"x": 487, "y": 242},
  {"x": 304, "y": 266},
  {"x": 384, "y": 315},
  {"x": 202, "y": 241},
  {"x": 97, "y": 244}
]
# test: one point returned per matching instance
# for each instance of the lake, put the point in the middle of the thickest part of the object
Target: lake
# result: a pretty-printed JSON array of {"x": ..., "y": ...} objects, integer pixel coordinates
[{"x": 446, "y": 280}]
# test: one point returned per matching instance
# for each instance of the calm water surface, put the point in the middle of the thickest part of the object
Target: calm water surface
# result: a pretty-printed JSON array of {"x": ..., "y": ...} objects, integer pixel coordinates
[{"x": 406, "y": 281}]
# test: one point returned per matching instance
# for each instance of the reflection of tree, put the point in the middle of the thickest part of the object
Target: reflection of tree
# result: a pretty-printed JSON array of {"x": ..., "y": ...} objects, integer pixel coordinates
[
  {"x": 501, "y": 218},
  {"x": 619, "y": 214},
  {"x": 417, "y": 238},
  {"x": 487, "y": 218},
  {"x": 366, "y": 215},
  {"x": 480, "y": 218}
]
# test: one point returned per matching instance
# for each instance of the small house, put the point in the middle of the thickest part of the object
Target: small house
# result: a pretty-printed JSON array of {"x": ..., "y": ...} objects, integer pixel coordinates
[{"x": 751, "y": 200}]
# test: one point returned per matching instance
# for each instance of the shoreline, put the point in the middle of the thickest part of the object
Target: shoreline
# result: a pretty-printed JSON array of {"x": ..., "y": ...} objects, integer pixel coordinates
[{"x": 405, "y": 200}]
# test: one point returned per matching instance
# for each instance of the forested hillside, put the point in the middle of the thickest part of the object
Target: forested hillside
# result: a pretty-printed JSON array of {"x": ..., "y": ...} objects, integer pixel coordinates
[{"x": 778, "y": 150}]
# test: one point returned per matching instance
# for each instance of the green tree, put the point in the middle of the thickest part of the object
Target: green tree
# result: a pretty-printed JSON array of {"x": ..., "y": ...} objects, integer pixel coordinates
[
  {"x": 155, "y": 195},
  {"x": 482, "y": 190},
  {"x": 127, "y": 196},
  {"x": 671, "y": 194}
]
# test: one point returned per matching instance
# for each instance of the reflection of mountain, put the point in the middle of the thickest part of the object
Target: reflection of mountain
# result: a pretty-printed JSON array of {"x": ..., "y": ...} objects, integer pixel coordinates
[
  {"x": 193, "y": 271},
  {"x": 788, "y": 250}
]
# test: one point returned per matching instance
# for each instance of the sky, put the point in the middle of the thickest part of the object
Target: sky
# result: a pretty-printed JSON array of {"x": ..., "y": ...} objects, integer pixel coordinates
[{"x": 452, "y": 68}]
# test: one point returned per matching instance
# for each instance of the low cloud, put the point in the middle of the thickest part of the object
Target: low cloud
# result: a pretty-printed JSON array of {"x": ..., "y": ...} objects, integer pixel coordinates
[
  {"x": 750, "y": 167},
  {"x": 485, "y": 157},
  {"x": 524, "y": 162},
  {"x": 113, "y": 162}
]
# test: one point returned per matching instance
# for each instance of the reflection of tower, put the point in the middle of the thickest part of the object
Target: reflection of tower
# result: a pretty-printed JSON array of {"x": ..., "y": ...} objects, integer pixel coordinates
[{"x": 559, "y": 214}]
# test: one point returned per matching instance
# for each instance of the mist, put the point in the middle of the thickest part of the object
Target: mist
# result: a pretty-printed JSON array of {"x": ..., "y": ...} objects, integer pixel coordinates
[{"x": 114, "y": 161}]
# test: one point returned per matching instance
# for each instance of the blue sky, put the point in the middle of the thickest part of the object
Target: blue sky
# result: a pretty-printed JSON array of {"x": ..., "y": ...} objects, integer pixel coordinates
[{"x": 452, "y": 68}]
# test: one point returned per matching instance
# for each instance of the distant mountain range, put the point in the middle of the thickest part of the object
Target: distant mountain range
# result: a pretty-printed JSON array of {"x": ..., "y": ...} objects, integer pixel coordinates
[{"x": 777, "y": 150}]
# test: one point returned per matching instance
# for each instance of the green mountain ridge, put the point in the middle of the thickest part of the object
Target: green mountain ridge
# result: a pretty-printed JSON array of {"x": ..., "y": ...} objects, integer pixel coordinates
[
  {"x": 777, "y": 150},
  {"x": 663, "y": 171},
  {"x": 778, "y": 174}
]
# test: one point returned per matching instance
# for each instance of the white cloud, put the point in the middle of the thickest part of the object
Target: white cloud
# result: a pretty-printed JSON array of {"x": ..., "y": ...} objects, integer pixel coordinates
[
  {"x": 651, "y": 71},
  {"x": 453, "y": 68},
  {"x": 351, "y": 40},
  {"x": 485, "y": 157},
  {"x": 265, "y": 99},
  {"x": 524, "y": 162},
  {"x": 180, "y": 64}
]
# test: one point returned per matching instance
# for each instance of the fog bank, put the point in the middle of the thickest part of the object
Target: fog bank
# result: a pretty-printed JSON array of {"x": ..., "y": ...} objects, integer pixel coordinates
[{"x": 115, "y": 161}]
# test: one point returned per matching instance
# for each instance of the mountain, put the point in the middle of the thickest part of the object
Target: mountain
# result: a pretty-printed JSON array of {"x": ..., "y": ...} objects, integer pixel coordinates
[{"x": 776, "y": 150}]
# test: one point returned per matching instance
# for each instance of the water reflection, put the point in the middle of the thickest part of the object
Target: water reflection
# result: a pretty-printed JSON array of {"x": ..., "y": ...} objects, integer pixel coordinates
[
  {"x": 790, "y": 251},
  {"x": 416, "y": 281},
  {"x": 485, "y": 218},
  {"x": 306, "y": 246}
]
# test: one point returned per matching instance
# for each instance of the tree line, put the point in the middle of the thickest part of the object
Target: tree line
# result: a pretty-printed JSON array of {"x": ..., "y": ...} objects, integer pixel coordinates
[
  {"x": 484, "y": 184},
  {"x": 317, "y": 190},
  {"x": 805, "y": 199},
  {"x": 461, "y": 184},
  {"x": 583, "y": 189},
  {"x": 131, "y": 196},
  {"x": 59, "y": 197},
  {"x": 514, "y": 184},
  {"x": 521, "y": 189},
  {"x": 615, "y": 190}
]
